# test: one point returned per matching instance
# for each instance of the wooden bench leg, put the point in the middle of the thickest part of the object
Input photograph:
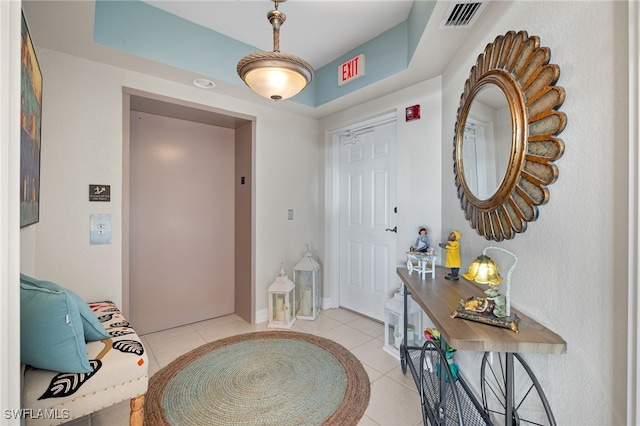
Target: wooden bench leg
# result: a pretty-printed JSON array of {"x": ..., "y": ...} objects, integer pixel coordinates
[{"x": 136, "y": 418}]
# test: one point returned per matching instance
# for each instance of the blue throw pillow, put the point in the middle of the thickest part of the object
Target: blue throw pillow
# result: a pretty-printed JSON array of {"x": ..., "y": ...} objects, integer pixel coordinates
[
  {"x": 51, "y": 335},
  {"x": 93, "y": 329}
]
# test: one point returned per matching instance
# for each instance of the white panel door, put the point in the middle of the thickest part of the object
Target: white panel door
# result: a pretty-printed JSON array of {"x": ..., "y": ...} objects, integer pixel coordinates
[{"x": 367, "y": 202}]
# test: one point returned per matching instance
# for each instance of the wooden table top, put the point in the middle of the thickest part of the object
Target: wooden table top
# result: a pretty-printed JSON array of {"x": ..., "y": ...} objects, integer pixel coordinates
[{"x": 439, "y": 298}]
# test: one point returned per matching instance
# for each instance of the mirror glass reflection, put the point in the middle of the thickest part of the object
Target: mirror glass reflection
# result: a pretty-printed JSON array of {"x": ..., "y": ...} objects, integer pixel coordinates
[{"x": 486, "y": 147}]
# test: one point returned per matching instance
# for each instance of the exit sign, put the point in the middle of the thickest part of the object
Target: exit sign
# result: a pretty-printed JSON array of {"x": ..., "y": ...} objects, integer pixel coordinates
[{"x": 351, "y": 70}]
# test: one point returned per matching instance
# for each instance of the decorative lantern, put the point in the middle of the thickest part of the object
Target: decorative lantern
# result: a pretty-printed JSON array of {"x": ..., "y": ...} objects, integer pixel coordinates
[
  {"x": 282, "y": 302},
  {"x": 306, "y": 276},
  {"x": 394, "y": 323}
]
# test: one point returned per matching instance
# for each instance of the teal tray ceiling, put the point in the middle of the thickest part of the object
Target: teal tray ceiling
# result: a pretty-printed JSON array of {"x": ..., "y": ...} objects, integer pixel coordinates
[{"x": 135, "y": 27}]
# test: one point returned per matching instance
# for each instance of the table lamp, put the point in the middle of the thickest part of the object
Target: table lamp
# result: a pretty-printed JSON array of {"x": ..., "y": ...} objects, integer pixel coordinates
[{"x": 495, "y": 309}]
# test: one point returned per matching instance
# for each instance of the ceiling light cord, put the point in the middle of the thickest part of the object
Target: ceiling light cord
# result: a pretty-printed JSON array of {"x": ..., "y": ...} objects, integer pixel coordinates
[{"x": 276, "y": 18}]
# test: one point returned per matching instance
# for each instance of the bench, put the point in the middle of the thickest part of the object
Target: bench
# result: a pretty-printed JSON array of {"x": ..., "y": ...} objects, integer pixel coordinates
[{"x": 120, "y": 368}]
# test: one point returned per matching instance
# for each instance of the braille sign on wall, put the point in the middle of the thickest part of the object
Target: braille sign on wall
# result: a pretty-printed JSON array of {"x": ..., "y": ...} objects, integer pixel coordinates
[{"x": 99, "y": 192}]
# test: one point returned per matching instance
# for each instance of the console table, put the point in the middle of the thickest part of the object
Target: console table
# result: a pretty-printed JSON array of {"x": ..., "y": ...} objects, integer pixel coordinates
[{"x": 438, "y": 298}]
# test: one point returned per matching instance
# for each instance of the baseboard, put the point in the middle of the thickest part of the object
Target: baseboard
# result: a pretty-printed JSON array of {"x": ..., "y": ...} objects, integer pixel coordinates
[
  {"x": 327, "y": 303},
  {"x": 262, "y": 316}
]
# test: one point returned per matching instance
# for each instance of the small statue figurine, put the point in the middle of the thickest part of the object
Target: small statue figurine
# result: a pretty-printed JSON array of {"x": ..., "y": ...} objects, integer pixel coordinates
[
  {"x": 422, "y": 242},
  {"x": 452, "y": 259}
]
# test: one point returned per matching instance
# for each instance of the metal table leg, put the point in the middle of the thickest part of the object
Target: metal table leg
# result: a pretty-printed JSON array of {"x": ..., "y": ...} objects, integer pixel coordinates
[{"x": 508, "y": 421}]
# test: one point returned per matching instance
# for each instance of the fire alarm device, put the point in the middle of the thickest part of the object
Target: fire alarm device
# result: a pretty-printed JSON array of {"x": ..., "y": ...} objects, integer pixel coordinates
[{"x": 412, "y": 113}]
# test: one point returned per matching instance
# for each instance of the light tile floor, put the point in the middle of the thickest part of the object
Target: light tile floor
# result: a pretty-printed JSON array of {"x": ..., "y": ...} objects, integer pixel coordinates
[{"x": 394, "y": 398}]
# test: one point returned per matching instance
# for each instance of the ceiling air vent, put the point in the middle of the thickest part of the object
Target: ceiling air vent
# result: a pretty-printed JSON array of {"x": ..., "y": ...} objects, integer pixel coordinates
[{"x": 462, "y": 14}]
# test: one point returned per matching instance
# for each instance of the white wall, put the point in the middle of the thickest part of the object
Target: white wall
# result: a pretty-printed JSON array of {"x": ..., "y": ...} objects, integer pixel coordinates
[
  {"x": 633, "y": 385},
  {"x": 10, "y": 379},
  {"x": 82, "y": 145},
  {"x": 571, "y": 274},
  {"x": 419, "y": 161}
]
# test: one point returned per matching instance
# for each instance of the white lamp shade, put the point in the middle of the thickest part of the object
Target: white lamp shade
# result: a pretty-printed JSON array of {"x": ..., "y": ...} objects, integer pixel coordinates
[
  {"x": 275, "y": 75},
  {"x": 272, "y": 83}
]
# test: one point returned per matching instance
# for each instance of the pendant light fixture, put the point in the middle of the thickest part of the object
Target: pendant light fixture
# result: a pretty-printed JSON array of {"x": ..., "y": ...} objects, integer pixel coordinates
[{"x": 275, "y": 75}]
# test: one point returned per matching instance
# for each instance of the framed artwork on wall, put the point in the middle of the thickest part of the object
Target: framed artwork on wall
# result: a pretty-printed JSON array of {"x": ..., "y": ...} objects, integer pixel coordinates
[{"x": 30, "y": 120}]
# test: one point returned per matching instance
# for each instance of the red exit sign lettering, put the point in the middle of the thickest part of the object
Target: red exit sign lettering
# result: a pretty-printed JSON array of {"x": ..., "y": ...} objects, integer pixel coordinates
[{"x": 351, "y": 70}]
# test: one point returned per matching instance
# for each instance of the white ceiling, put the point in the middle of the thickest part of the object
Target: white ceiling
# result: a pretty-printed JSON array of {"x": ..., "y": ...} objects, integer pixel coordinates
[
  {"x": 340, "y": 25},
  {"x": 317, "y": 30}
]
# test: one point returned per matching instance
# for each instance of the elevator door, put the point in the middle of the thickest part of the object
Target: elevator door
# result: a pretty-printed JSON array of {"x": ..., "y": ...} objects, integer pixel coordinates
[{"x": 181, "y": 222}]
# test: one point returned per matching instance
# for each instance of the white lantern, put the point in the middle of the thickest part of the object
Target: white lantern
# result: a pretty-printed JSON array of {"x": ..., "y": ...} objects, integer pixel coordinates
[
  {"x": 306, "y": 277},
  {"x": 394, "y": 324},
  {"x": 282, "y": 302}
]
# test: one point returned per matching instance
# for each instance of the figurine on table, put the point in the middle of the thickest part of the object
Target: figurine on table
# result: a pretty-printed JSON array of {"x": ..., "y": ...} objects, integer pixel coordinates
[
  {"x": 452, "y": 259},
  {"x": 422, "y": 242}
]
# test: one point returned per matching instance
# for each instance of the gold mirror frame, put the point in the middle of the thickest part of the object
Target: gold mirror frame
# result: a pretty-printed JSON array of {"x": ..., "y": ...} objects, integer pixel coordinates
[{"x": 518, "y": 65}]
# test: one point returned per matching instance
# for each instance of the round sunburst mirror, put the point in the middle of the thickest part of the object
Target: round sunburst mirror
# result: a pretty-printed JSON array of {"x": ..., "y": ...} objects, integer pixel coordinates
[{"x": 505, "y": 136}]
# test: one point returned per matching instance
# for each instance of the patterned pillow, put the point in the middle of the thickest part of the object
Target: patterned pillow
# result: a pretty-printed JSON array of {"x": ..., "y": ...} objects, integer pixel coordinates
[
  {"x": 51, "y": 333},
  {"x": 93, "y": 329}
]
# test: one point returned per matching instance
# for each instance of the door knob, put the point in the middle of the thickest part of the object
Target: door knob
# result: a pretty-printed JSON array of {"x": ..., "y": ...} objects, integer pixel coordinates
[{"x": 394, "y": 229}]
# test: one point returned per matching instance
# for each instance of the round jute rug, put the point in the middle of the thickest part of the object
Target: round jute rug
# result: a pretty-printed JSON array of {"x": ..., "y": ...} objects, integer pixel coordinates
[{"x": 262, "y": 378}]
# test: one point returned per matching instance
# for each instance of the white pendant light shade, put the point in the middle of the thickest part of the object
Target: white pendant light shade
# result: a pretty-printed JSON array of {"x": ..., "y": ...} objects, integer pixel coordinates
[{"x": 275, "y": 75}]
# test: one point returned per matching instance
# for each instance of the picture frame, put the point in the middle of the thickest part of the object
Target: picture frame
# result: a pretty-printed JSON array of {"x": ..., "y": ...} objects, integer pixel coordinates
[{"x": 30, "y": 130}]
